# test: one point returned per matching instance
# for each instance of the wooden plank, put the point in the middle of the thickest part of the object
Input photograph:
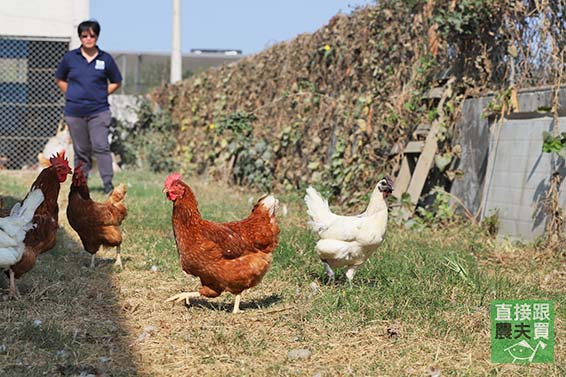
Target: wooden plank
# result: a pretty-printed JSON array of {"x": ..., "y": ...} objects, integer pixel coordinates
[
  {"x": 422, "y": 130},
  {"x": 423, "y": 167},
  {"x": 414, "y": 147},
  {"x": 403, "y": 179}
]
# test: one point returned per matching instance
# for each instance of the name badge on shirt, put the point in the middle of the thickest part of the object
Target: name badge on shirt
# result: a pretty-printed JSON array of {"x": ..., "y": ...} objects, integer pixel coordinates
[{"x": 99, "y": 64}]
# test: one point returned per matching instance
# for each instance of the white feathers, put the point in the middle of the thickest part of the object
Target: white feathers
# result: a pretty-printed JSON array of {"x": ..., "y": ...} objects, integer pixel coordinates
[
  {"x": 346, "y": 240},
  {"x": 13, "y": 228},
  {"x": 318, "y": 210},
  {"x": 270, "y": 203}
]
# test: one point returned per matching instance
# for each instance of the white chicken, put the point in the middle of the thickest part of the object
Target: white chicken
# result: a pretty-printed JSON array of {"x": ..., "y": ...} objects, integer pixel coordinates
[
  {"x": 348, "y": 241},
  {"x": 13, "y": 230}
]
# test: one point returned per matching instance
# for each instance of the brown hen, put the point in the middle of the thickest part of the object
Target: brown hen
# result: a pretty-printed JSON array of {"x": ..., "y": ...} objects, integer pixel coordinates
[
  {"x": 229, "y": 257},
  {"x": 97, "y": 224},
  {"x": 43, "y": 237}
]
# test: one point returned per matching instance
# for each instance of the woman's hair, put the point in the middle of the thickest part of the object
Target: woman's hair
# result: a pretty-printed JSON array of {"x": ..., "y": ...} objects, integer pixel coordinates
[{"x": 89, "y": 25}]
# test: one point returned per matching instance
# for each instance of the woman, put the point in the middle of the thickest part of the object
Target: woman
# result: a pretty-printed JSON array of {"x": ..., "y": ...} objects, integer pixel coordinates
[{"x": 87, "y": 75}]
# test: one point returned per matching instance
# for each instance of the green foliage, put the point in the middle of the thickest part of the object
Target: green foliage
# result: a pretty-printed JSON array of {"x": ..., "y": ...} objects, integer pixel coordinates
[
  {"x": 251, "y": 159},
  {"x": 240, "y": 123},
  {"x": 150, "y": 143},
  {"x": 553, "y": 144},
  {"x": 440, "y": 211},
  {"x": 465, "y": 19},
  {"x": 500, "y": 102},
  {"x": 491, "y": 223}
]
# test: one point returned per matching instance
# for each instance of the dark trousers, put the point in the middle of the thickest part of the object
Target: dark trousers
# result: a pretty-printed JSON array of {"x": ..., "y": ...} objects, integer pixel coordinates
[{"x": 90, "y": 136}]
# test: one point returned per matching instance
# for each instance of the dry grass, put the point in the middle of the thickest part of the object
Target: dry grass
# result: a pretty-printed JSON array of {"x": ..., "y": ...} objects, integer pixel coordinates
[{"x": 405, "y": 314}]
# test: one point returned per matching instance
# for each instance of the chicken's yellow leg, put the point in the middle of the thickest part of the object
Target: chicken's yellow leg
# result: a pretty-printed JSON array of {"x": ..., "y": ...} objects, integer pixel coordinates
[
  {"x": 118, "y": 259},
  {"x": 237, "y": 304},
  {"x": 13, "y": 292},
  {"x": 183, "y": 296},
  {"x": 350, "y": 272}
]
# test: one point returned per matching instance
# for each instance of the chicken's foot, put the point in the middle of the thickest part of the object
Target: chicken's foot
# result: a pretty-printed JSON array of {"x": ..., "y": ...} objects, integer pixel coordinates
[
  {"x": 13, "y": 292},
  {"x": 237, "y": 304},
  {"x": 118, "y": 259},
  {"x": 329, "y": 273},
  {"x": 350, "y": 272},
  {"x": 183, "y": 296},
  {"x": 92, "y": 261}
]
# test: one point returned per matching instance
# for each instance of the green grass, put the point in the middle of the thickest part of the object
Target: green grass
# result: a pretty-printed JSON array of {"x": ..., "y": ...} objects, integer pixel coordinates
[{"x": 407, "y": 310}]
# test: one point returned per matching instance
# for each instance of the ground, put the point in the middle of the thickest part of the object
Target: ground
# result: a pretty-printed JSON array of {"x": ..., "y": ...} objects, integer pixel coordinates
[{"x": 407, "y": 312}]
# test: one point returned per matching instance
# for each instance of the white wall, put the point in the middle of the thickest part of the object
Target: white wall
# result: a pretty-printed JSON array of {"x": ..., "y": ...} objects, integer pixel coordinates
[{"x": 54, "y": 19}]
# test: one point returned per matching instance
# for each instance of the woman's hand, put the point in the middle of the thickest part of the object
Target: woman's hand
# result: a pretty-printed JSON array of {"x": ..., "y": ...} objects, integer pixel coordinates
[
  {"x": 62, "y": 85},
  {"x": 113, "y": 86}
]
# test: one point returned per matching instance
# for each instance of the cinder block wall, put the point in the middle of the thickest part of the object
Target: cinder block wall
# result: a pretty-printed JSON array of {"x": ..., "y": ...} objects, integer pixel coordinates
[{"x": 505, "y": 170}]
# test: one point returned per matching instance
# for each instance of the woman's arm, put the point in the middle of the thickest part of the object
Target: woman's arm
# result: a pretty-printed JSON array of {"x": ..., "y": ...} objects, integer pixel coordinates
[
  {"x": 113, "y": 86},
  {"x": 62, "y": 85}
]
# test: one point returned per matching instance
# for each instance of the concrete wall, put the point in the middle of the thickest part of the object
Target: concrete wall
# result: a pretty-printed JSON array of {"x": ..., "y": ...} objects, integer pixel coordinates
[
  {"x": 37, "y": 18},
  {"x": 505, "y": 170},
  {"x": 518, "y": 179},
  {"x": 473, "y": 129}
]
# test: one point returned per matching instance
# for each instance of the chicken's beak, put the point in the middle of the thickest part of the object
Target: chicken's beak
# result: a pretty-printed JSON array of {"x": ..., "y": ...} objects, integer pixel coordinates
[{"x": 388, "y": 189}]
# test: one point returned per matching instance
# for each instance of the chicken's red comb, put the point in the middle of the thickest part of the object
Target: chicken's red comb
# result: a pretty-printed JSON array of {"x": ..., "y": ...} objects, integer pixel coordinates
[
  {"x": 79, "y": 175},
  {"x": 172, "y": 178},
  {"x": 79, "y": 168},
  {"x": 59, "y": 159}
]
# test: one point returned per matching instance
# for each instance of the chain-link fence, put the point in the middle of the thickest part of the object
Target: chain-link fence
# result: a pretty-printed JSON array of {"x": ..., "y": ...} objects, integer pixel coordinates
[{"x": 31, "y": 105}]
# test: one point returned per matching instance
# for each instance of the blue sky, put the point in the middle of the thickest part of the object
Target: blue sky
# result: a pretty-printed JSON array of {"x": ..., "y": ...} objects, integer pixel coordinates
[{"x": 248, "y": 25}]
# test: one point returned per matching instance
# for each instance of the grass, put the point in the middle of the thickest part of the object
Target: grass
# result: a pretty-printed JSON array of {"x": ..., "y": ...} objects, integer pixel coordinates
[{"x": 408, "y": 310}]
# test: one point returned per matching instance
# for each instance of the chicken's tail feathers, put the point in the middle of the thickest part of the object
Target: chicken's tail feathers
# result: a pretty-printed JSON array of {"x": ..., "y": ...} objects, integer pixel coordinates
[
  {"x": 118, "y": 194},
  {"x": 317, "y": 208},
  {"x": 270, "y": 203},
  {"x": 21, "y": 215},
  {"x": 26, "y": 210}
]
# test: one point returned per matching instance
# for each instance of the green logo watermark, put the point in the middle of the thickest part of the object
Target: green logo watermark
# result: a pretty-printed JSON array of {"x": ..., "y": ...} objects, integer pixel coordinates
[{"x": 522, "y": 331}]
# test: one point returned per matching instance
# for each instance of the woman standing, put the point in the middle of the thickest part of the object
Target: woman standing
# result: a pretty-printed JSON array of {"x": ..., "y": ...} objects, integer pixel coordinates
[{"x": 87, "y": 75}]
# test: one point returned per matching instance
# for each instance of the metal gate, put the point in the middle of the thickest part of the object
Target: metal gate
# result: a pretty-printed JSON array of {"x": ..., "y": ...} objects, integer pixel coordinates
[{"x": 31, "y": 105}]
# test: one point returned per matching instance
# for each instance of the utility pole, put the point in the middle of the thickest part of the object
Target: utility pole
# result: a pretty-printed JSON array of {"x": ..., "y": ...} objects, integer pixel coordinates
[
  {"x": 81, "y": 12},
  {"x": 176, "y": 57}
]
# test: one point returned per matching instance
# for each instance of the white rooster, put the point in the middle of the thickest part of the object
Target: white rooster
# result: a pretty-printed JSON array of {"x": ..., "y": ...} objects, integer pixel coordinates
[
  {"x": 13, "y": 230},
  {"x": 348, "y": 241}
]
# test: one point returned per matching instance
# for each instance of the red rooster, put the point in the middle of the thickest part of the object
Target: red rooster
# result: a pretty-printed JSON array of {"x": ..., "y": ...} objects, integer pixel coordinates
[
  {"x": 228, "y": 257},
  {"x": 42, "y": 238},
  {"x": 97, "y": 224}
]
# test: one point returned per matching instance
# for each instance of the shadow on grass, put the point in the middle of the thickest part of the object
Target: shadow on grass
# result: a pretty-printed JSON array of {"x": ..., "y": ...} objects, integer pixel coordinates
[
  {"x": 68, "y": 319},
  {"x": 262, "y": 303}
]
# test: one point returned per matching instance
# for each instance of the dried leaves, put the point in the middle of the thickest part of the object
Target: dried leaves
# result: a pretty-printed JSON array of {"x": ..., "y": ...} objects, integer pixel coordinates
[{"x": 333, "y": 104}]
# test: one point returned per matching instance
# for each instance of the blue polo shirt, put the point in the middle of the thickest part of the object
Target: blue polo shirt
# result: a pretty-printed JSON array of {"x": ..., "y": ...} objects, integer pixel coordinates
[{"x": 87, "y": 90}]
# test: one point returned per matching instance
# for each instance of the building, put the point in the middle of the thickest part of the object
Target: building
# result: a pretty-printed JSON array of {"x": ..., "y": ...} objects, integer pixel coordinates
[
  {"x": 34, "y": 36},
  {"x": 143, "y": 71}
]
